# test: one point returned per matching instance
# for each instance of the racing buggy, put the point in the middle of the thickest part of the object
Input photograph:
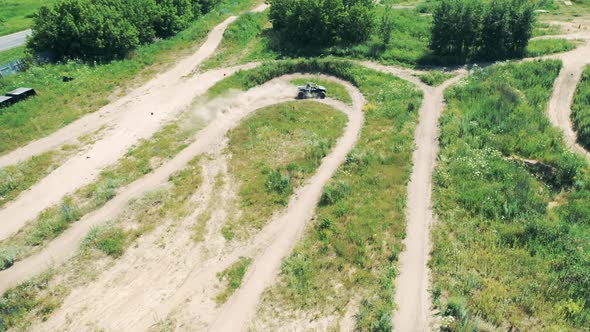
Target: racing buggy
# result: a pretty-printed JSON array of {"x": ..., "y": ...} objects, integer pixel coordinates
[{"x": 311, "y": 90}]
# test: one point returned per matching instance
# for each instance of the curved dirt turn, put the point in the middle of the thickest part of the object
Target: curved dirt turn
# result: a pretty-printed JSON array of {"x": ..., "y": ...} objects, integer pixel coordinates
[
  {"x": 228, "y": 114},
  {"x": 149, "y": 284},
  {"x": 131, "y": 118},
  {"x": 242, "y": 306},
  {"x": 560, "y": 104}
]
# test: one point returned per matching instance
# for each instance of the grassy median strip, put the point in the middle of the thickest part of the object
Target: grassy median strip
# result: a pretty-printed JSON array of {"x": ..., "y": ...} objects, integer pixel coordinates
[
  {"x": 511, "y": 249},
  {"x": 435, "y": 77},
  {"x": 232, "y": 278},
  {"x": 139, "y": 161},
  {"x": 272, "y": 153}
]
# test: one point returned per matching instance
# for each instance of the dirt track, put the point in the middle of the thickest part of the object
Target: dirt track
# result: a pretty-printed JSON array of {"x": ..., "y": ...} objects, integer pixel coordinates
[
  {"x": 560, "y": 105},
  {"x": 132, "y": 118},
  {"x": 179, "y": 285},
  {"x": 120, "y": 300}
]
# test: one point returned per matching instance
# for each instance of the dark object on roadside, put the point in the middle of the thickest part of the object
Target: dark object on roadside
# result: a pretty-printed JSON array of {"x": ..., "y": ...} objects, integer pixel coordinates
[
  {"x": 6, "y": 101},
  {"x": 21, "y": 94},
  {"x": 67, "y": 79},
  {"x": 311, "y": 90}
]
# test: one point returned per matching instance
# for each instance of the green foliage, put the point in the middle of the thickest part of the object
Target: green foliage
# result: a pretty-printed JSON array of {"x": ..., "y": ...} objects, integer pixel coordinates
[
  {"x": 278, "y": 182},
  {"x": 7, "y": 258},
  {"x": 354, "y": 242},
  {"x": 305, "y": 131},
  {"x": 435, "y": 77},
  {"x": 232, "y": 277},
  {"x": 581, "y": 109},
  {"x": 17, "y": 302},
  {"x": 466, "y": 29},
  {"x": 511, "y": 247},
  {"x": 548, "y": 46},
  {"x": 386, "y": 26},
  {"x": 322, "y": 23},
  {"x": 16, "y": 178},
  {"x": 102, "y": 30},
  {"x": 334, "y": 192},
  {"x": 108, "y": 239}
]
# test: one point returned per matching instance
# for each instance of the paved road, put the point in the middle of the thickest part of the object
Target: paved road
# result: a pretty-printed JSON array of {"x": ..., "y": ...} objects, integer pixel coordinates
[{"x": 14, "y": 40}]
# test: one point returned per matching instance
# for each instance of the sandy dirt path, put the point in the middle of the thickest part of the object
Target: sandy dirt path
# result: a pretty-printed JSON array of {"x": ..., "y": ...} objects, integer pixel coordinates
[
  {"x": 228, "y": 113},
  {"x": 149, "y": 283},
  {"x": 414, "y": 305},
  {"x": 132, "y": 118},
  {"x": 239, "y": 310},
  {"x": 560, "y": 104}
]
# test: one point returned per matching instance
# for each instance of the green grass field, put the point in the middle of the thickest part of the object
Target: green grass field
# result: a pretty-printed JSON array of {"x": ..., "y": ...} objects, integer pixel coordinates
[
  {"x": 305, "y": 131},
  {"x": 541, "y": 47},
  {"x": 17, "y": 15},
  {"x": 12, "y": 54},
  {"x": 510, "y": 249}
]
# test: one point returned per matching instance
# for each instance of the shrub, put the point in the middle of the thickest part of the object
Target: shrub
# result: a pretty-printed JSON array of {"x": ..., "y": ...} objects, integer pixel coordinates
[
  {"x": 108, "y": 239},
  {"x": 102, "y": 30},
  {"x": 334, "y": 192},
  {"x": 7, "y": 258},
  {"x": 278, "y": 182}
]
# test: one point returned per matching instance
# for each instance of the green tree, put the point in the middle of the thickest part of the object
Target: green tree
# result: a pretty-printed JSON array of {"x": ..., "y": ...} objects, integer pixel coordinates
[{"x": 322, "y": 23}]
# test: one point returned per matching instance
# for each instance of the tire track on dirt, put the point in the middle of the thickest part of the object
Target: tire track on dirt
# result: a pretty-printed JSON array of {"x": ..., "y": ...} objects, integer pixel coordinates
[
  {"x": 132, "y": 118},
  {"x": 133, "y": 305},
  {"x": 560, "y": 105},
  {"x": 228, "y": 115},
  {"x": 414, "y": 305},
  {"x": 238, "y": 311}
]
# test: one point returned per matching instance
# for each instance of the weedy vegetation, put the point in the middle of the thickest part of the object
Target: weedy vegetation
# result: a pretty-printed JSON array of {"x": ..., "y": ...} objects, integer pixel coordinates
[
  {"x": 435, "y": 77},
  {"x": 510, "y": 249},
  {"x": 541, "y": 47},
  {"x": 232, "y": 278},
  {"x": 272, "y": 153}
]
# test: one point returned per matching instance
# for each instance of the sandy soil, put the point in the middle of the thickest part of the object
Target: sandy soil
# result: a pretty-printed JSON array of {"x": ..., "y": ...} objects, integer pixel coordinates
[
  {"x": 177, "y": 281},
  {"x": 132, "y": 118},
  {"x": 559, "y": 110},
  {"x": 228, "y": 114}
]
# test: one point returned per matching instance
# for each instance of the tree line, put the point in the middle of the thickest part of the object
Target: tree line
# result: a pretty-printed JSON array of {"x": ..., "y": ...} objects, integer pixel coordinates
[
  {"x": 487, "y": 30},
  {"x": 102, "y": 30},
  {"x": 322, "y": 22}
]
